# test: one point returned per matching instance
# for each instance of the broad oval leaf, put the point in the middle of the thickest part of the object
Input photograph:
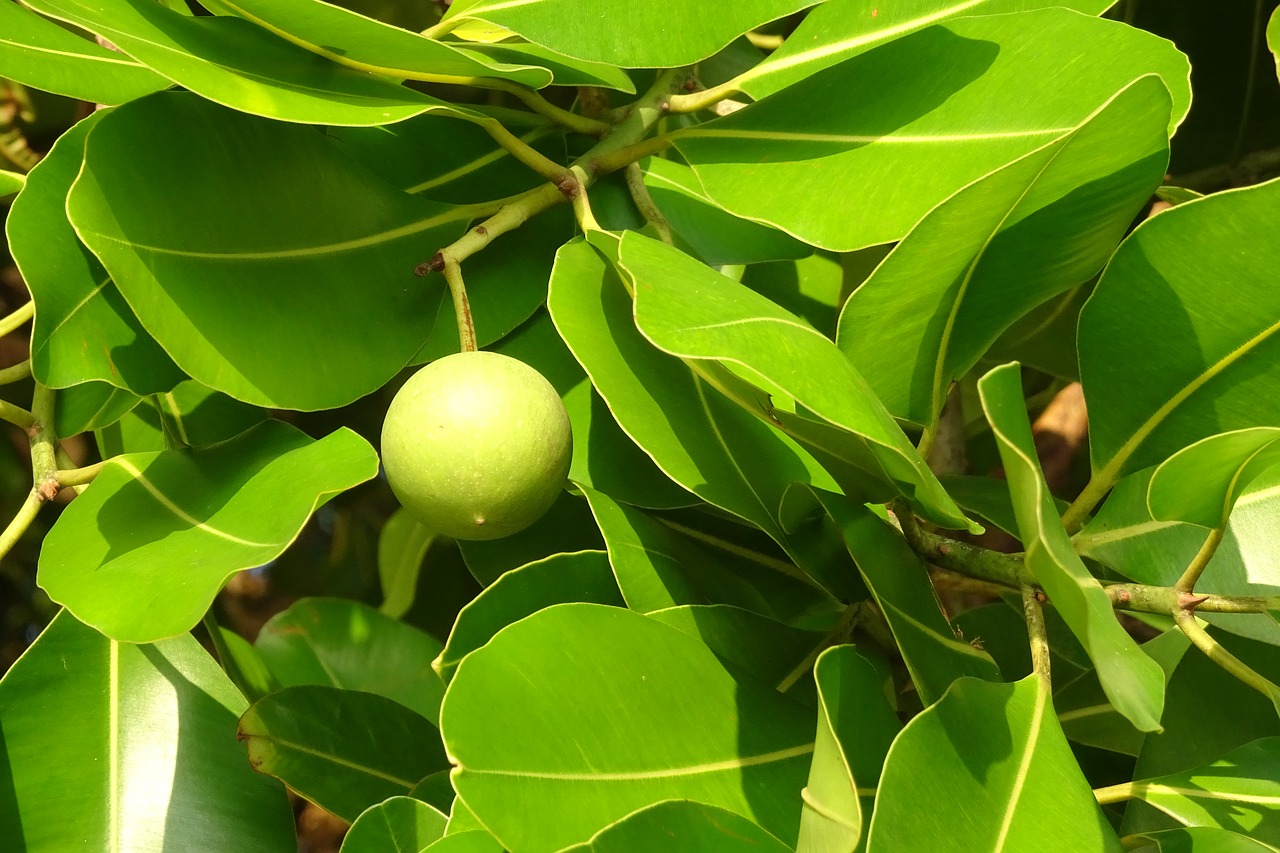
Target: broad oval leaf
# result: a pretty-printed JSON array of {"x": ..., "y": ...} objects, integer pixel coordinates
[
  {"x": 142, "y": 553},
  {"x": 1200, "y": 484},
  {"x": 559, "y": 579},
  {"x": 888, "y": 112},
  {"x": 689, "y": 310},
  {"x": 84, "y": 330},
  {"x": 1201, "y": 839},
  {"x": 248, "y": 283},
  {"x": 1000, "y": 246},
  {"x": 366, "y": 44},
  {"x": 240, "y": 65},
  {"x": 136, "y": 742},
  {"x": 1180, "y": 339},
  {"x": 466, "y": 841},
  {"x": 658, "y": 34},
  {"x": 395, "y": 825},
  {"x": 682, "y": 826},
  {"x": 996, "y": 773},
  {"x": 39, "y": 53},
  {"x": 582, "y": 740},
  {"x": 856, "y": 727},
  {"x": 341, "y": 749},
  {"x": 1133, "y": 682},
  {"x": 346, "y": 644}
]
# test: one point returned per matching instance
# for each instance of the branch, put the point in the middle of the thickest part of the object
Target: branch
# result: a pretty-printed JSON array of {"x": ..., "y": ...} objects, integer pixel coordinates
[
  {"x": 17, "y": 318},
  {"x": 644, "y": 202},
  {"x": 1200, "y": 562},
  {"x": 1185, "y": 618},
  {"x": 1032, "y": 598},
  {"x": 707, "y": 98},
  {"x": 525, "y": 153}
]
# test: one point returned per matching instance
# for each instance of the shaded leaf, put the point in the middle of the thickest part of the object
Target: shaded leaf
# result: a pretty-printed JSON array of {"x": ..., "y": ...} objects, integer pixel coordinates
[
  {"x": 92, "y": 406},
  {"x": 142, "y": 553},
  {"x": 681, "y": 826},
  {"x": 395, "y": 825},
  {"x": 1201, "y": 839},
  {"x": 466, "y": 841},
  {"x": 402, "y": 546},
  {"x": 343, "y": 750}
]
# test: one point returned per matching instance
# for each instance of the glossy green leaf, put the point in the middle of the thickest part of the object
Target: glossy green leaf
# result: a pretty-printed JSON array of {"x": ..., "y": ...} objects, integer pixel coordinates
[
  {"x": 1132, "y": 681},
  {"x": 84, "y": 330},
  {"x": 366, "y": 44},
  {"x": 402, "y": 546},
  {"x": 999, "y": 247},
  {"x": 91, "y": 406},
  {"x": 395, "y": 825},
  {"x": 995, "y": 772},
  {"x": 657, "y": 567},
  {"x": 713, "y": 234},
  {"x": 716, "y": 450},
  {"x": 466, "y": 841},
  {"x": 681, "y": 826},
  {"x": 245, "y": 667},
  {"x": 346, "y": 644},
  {"x": 1125, "y": 536},
  {"x": 190, "y": 415},
  {"x": 559, "y": 579},
  {"x": 142, "y": 553},
  {"x": 1201, "y": 483},
  {"x": 565, "y": 70},
  {"x": 1240, "y": 792},
  {"x": 1200, "y": 839},
  {"x": 341, "y": 749},
  {"x": 240, "y": 65},
  {"x": 661, "y": 34},
  {"x": 582, "y": 740},
  {"x": 836, "y": 134},
  {"x": 899, "y": 583},
  {"x": 1045, "y": 337},
  {"x": 112, "y": 746},
  {"x": 1179, "y": 340},
  {"x": 43, "y": 55},
  {"x": 841, "y": 29},
  {"x": 567, "y": 527},
  {"x": 757, "y": 647},
  {"x": 11, "y": 182},
  {"x": 856, "y": 726},
  {"x": 247, "y": 283},
  {"x": 689, "y": 310},
  {"x": 811, "y": 288}
]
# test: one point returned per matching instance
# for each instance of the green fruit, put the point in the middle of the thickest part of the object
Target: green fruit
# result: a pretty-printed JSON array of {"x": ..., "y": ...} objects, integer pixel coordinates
[{"x": 477, "y": 445}]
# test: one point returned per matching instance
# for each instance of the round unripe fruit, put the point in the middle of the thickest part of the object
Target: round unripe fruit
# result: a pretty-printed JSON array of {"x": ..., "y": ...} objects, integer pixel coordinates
[{"x": 477, "y": 445}]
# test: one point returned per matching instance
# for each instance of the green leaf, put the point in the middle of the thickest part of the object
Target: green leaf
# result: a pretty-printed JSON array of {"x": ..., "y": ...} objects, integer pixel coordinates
[
  {"x": 660, "y": 34},
  {"x": 567, "y": 527},
  {"x": 842, "y": 29},
  {"x": 11, "y": 182},
  {"x": 559, "y": 579},
  {"x": 190, "y": 415},
  {"x": 836, "y": 134},
  {"x": 995, "y": 772},
  {"x": 240, "y": 65},
  {"x": 135, "y": 742},
  {"x": 899, "y": 583},
  {"x": 402, "y": 546},
  {"x": 467, "y": 841},
  {"x": 566, "y": 70},
  {"x": 523, "y": 721},
  {"x": 84, "y": 330},
  {"x": 395, "y": 825},
  {"x": 681, "y": 826},
  {"x": 1201, "y": 483},
  {"x": 1273, "y": 37},
  {"x": 810, "y": 288},
  {"x": 1179, "y": 340},
  {"x": 856, "y": 726},
  {"x": 656, "y": 567},
  {"x": 91, "y": 406},
  {"x": 715, "y": 450},
  {"x": 1240, "y": 792},
  {"x": 1133, "y": 682},
  {"x": 1201, "y": 839},
  {"x": 45, "y": 56},
  {"x": 248, "y": 283},
  {"x": 366, "y": 44},
  {"x": 341, "y": 749},
  {"x": 1125, "y": 536},
  {"x": 350, "y": 645},
  {"x": 1000, "y": 246},
  {"x": 689, "y": 310},
  {"x": 142, "y": 553}
]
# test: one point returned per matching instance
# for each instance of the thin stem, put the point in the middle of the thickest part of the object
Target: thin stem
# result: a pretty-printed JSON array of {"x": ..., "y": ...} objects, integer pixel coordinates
[
  {"x": 21, "y": 521},
  {"x": 1187, "y": 623},
  {"x": 614, "y": 160},
  {"x": 16, "y": 415},
  {"x": 1036, "y": 631},
  {"x": 79, "y": 476},
  {"x": 461, "y": 305},
  {"x": 66, "y": 463},
  {"x": 509, "y": 217},
  {"x": 1187, "y": 582},
  {"x": 16, "y": 373},
  {"x": 766, "y": 41},
  {"x": 698, "y": 101},
  {"x": 526, "y": 153},
  {"x": 540, "y": 105},
  {"x": 644, "y": 202},
  {"x": 221, "y": 652},
  {"x": 582, "y": 205},
  {"x": 1073, "y": 519},
  {"x": 1118, "y": 793},
  {"x": 17, "y": 318}
]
